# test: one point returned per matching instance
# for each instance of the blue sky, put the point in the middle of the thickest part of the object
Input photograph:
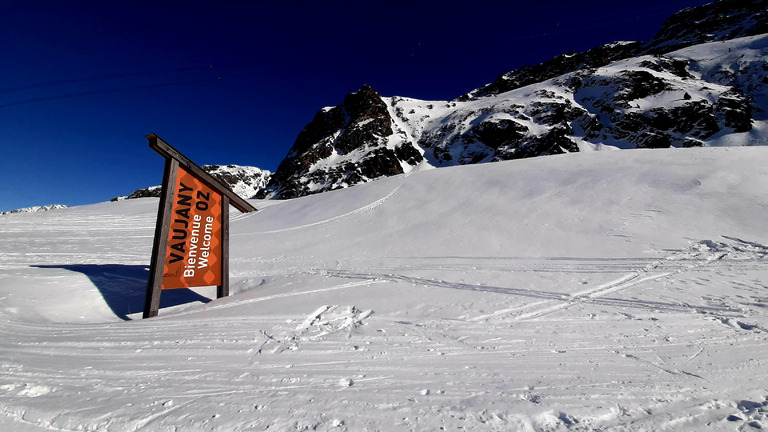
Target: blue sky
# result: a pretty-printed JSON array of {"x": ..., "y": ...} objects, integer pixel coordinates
[{"x": 81, "y": 83}]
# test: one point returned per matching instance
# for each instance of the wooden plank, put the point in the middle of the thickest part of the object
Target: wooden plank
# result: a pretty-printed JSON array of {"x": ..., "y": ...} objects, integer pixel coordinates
[
  {"x": 162, "y": 228},
  {"x": 223, "y": 289},
  {"x": 157, "y": 144}
]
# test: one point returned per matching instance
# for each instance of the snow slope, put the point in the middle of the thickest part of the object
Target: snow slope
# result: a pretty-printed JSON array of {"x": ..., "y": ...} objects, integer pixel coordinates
[{"x": 602, "y": 290}]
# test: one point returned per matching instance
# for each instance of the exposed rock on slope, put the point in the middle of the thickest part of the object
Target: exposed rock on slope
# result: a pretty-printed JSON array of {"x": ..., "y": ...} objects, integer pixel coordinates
[
  {"x": 562, "y": 64},
  {"x": 344, "y": 145},
  {"x": 716, "y": 21}
]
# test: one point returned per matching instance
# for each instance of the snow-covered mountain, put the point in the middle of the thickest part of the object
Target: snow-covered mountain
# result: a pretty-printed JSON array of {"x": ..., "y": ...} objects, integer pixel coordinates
[
  {"x": 596, "y": 291},
  {"x": 34, "y": 209},
  {"x": 701, "y": 81},
  {"x": 245, "y": 181},
  {"x": 717, "y": 21}
]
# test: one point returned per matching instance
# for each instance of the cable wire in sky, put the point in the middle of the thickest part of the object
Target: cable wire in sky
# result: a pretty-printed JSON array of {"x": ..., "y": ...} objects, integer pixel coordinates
[
  {"x": 120, "y": 89},
  {"x": 115, "y": 90},
  {"x": 100, "y": 78}
]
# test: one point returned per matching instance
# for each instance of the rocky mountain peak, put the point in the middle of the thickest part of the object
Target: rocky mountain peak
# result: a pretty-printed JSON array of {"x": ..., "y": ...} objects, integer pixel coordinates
[
  {"x": 364, "y": 104},
  {"x": 716, "y": 21},
  {"x": 366, "y": 119},
  {"x": 343, "y": 145},
  {"x": 559, "y": 65}
]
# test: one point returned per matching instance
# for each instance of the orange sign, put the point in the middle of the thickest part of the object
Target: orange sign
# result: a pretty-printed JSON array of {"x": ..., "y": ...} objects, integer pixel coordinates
[{"x": 193, "y": 253}]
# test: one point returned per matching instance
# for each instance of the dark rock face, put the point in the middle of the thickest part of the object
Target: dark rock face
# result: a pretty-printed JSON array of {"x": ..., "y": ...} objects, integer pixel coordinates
[
  {"x": 367, "y": 119},
  {"x": 557, "y": 66},
  {"x": 407, "y": 153},
  {"x": 361, "y": 124},
  {"x": 661, "y": 63},
  {"x": 150, "y": 192},
  {"x": 716, "y": 21},
  {"x": 499, "y": 133},
  {"x": 735, "y": 110},
  {"x": 653, "y": 140},
  {"x": 383, "y": 162},
  {"x": 639, "y": 84},
  {"x": 556, "y": 141},
  {"x": 555, "y": 112}
]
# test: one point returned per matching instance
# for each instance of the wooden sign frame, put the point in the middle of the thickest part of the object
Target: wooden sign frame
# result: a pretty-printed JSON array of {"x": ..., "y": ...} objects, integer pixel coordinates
[{"x": 173, "y": 161}]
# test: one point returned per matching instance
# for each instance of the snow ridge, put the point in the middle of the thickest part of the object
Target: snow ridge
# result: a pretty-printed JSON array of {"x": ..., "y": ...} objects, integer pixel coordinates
[
  {"x": 245, "y": 181},
  {"x": 34, "y": 209}
]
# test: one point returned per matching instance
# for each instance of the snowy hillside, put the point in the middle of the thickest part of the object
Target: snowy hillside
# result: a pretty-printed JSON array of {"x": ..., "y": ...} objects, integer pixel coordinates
[{"x": 589, "y": 291}]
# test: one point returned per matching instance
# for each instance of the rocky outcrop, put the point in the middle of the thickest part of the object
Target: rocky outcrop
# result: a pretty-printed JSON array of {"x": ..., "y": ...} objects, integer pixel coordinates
[
  {"x": 716, "y": 21},
  {"x": 148, "y": 192},
  {"x": 343, "y": 145},
  {"x": 562, "y": 64}
]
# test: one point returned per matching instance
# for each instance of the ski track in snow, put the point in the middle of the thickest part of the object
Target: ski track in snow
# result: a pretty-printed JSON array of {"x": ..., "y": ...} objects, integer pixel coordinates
[
  {"x": 656, "y": 270},
  {"x": 362, "y": 209},
  {"x": 370, "y": 365},
  {"x": 551, "y": 302}
]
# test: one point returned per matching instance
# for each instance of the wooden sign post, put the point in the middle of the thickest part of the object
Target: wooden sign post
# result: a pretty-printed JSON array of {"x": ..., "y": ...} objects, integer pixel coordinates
[{"x": 191, "y": 247}]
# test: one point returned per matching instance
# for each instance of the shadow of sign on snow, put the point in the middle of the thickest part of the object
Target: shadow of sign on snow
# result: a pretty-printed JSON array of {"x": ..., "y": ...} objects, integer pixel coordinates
[{"x": 124, "y": 287}]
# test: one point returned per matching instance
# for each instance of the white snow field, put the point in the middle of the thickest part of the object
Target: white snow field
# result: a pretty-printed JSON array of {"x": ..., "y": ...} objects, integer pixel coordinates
[{"x": 623, "y": 290}]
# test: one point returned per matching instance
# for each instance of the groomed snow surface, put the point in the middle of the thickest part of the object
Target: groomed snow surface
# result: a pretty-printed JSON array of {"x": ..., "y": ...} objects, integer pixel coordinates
[{"x": 599, "y": 291}]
